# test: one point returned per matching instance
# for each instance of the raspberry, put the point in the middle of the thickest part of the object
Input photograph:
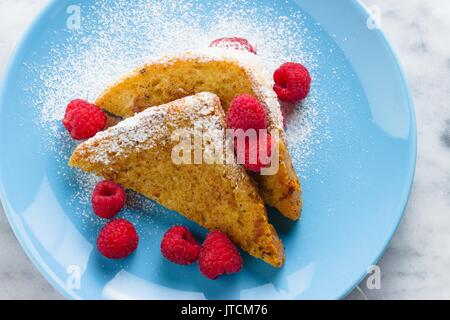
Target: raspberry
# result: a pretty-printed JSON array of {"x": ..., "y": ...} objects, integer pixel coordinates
[
  {"x": 74, "y": 104},
  {"x": 292, "y": 82},
  {"x": 117, "y": 239},
  {"x": 83, "y": 119},
  {"x": 108, "y": 198},
  {"x": 254, "y": 148},
  {"x": 233, "y": 43},
  {"x": 218, "y": 255},
  {"x": 179, "y": 246},
  {"x": 246, "y": 112}
]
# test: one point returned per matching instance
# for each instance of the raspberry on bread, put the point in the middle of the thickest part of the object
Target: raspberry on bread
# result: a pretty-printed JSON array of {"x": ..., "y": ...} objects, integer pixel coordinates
[
  {"x": 246, "y": 112},
  {"x": 235, "y": 43},
  {"x": 255, "y": 153}
]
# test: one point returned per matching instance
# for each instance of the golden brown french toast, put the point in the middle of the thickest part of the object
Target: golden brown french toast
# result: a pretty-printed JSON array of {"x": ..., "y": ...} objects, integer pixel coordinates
[
  {"x": 137, "y": 153},
  {"x": 227, "y": 73}
]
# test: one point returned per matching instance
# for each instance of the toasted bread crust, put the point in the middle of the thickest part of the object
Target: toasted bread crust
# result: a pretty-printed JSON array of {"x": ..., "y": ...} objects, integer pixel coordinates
[
  {"x": 173, "y": 78},
  {"x": 282, "y": 191},
  {"x": 216, "y": 196}
]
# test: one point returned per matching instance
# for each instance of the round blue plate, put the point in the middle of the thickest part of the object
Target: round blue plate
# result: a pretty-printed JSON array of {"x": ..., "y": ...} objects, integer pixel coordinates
[{"x": 355, "y": 187}]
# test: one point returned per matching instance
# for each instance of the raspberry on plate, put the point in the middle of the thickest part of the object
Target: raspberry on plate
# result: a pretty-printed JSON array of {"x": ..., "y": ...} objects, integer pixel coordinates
[
  {"x": 246, "y": 112},
  {"x": 292, "y": 82},
  {"x": 233, "y": 43},
  {"x": 83, "y": 119},
  {"x": 254, "y": 154},
  {"x": 179, "y": 246},
  {"x": 218, "y": 255},
  {"x": 108, "y": 198},
  {"x": 117, "y": 239}
]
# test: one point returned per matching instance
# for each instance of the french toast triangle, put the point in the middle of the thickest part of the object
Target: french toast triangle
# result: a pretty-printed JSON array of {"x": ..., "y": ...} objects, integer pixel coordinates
[
  {"x": 227, "y": 73},
  {"x": 138, "y": 153}
]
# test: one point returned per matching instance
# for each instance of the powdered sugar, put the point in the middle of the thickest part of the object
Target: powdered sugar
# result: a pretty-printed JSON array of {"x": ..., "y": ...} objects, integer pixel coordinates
[
  {"x": 151, "y": 126},
  {"x": 116, "y": 37},
  {"x": 250, "y": 63}
]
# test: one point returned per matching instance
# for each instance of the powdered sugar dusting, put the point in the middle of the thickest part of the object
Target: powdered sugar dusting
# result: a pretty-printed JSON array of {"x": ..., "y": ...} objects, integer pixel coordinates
[
  {"x": 148, "y": 128},
  {"x": 251, "y": 64},
  {"x": 117, "y": 37}
]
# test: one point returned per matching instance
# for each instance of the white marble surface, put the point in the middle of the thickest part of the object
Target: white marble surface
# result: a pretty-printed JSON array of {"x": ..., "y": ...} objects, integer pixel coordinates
[{"x": 417, "y": 263}]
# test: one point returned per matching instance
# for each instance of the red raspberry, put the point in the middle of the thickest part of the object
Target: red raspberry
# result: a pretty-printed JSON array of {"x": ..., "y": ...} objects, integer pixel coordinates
[
  {"x": 117, "y": 239},
  {"x": 83, "y": 119},
  {"x": 218, "y": 255},
  {"x": 292, "y": 82},
  {"x": 246, "y": 112},
  {"x": 74, "y": 104},
  {"x": 233, "y": 43},
  {"x": 254, "y": 147},
  {"x": 179, "y": 246},
  {"x": 108, "y": 198}
]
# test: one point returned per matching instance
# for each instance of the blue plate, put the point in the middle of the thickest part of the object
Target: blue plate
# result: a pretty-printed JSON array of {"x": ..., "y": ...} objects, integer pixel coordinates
[{"x": 356, "y": 181}]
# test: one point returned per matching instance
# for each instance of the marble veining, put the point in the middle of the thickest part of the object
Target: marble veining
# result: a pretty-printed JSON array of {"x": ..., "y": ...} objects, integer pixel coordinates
[
  {"x": 446, "y": 134},
  {"x": 417, "y": 262}
]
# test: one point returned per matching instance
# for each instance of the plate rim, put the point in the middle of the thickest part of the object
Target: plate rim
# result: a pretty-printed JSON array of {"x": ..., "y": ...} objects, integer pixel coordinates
[
  {"x": 412, "y": 141},
  {"x": 363, "y": 10}
]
